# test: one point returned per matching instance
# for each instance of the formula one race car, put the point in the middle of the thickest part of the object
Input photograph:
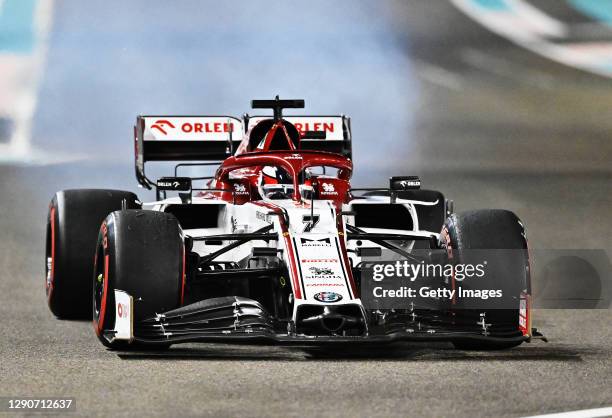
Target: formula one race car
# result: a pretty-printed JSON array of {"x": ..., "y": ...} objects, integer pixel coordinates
[{"x": 275, "y": 247}]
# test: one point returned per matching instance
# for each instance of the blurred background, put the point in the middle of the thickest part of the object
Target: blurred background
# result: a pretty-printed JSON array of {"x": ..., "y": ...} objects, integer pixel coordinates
[{"x": 497, "y": 103}]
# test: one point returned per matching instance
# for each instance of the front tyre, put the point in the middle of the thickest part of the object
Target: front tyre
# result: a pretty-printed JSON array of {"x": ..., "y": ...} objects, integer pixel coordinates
[
  {"x": 495, "y": 230},
  {"x": 142, "y": 253}
]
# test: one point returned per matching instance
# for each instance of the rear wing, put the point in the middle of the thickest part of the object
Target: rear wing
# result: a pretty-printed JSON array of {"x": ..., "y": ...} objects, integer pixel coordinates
[
  {"x": 337, "y": 131},
  {"x": 184, "y": 138},
  {"x": 214, "y": 138}
]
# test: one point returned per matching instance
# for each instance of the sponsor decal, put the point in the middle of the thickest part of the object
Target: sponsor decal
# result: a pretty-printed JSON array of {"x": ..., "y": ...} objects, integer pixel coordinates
[
  {"x": 325, "y": 242},
  {"x": 397, "y": 183},
  {"x": 322, "y": 273},
  {"x": 174, "y": 183},
  {"x": 523, "y": 315},
  {"x": 123, "y": 310},
  {"x": 169, "y": 184},
  {"x": 191, "y": 128},
  {"x": 315, "y": 126},
  {"x": 295, "y": 157},
  {"x": 324, "y": 285},
  {"x": 406, "y": 184},
  {"x": 326, "y": 271},
  {"x": 329, "y": 189},
  {"x": 319, "y": 260},
  {"x": 240, "y": 189},
  {"x": 123, "y": 318},
  {"x": 163, "y": 126},
  {"x": 331, "y": 125},
  {"x": 104, "y": 236},
  {"x": 215, "y": 127},
  {"x": 328, "y": 297}
]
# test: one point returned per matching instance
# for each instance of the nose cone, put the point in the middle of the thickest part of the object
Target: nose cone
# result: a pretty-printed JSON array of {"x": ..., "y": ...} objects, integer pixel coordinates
[{"x": 326, "y": 320}]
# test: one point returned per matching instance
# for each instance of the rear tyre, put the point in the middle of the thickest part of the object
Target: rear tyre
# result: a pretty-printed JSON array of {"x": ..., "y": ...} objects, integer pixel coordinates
[
  {"x": 492, "y": 229},
  {"x": 73, "y": 223},
  {"x": 142, "y": 253}
]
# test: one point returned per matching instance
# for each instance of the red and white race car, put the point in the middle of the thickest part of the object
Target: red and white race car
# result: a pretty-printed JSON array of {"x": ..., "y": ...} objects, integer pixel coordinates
[{"x": 276, "y": 246}]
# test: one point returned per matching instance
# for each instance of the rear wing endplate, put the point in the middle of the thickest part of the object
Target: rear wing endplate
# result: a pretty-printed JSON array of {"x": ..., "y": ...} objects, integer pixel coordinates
[
  {"x": 184, "y": 138},
  {"x": 337, "y": 131},
  {"x": 214, "y": 138}
]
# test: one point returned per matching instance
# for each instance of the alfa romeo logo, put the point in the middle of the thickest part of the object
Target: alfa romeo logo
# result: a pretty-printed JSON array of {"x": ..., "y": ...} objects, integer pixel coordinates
[{"x": 328, "y": 297}]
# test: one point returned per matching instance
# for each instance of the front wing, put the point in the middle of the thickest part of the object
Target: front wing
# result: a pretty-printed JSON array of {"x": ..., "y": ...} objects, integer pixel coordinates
[{"x": 240, "y": 320}]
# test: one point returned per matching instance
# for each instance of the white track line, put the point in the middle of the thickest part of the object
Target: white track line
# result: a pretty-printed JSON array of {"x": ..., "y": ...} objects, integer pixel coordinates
[
  {"x": 584, "y": 413},
  {"x": 533, "y": 30},
  {"x": 521, "y": 22}
]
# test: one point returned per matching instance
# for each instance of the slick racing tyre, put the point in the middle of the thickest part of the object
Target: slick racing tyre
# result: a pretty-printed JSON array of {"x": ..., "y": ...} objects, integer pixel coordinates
[
  {"x": 73, "y": 223},
  {"x": 492, "y": 230},
  {"x": 142, "y": 253}
]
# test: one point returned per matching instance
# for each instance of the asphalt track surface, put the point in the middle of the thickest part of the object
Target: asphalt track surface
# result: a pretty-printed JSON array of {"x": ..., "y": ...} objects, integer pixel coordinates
[{"x": 430, "y": 93}]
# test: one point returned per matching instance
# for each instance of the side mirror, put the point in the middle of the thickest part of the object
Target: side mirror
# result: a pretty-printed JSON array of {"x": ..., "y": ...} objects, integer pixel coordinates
[
  {"x": 177, "y": 184},
  {"x": 401, "y": 183}
]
